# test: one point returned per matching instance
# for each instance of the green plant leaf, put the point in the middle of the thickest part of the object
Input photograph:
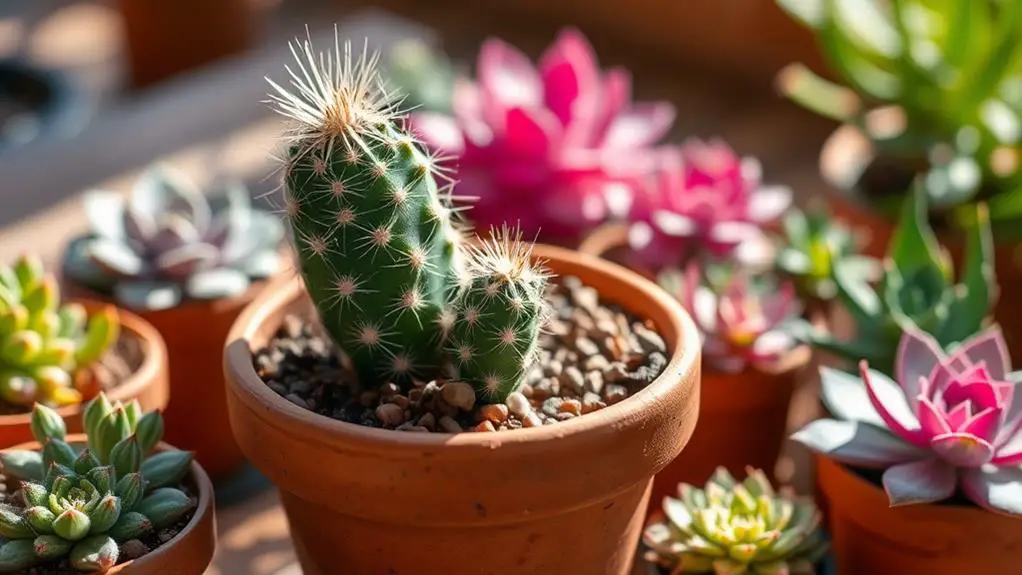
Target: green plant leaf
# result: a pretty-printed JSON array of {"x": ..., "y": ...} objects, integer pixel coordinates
[
  {"x": 810, "y": 13},
  {"x": 914, "y": 245},
  {"x": 973, "y": 303},
  {"x": 818, "y": 95},
  {"x": 852, "y": 276},
  {"x": 989, "y": 72}
]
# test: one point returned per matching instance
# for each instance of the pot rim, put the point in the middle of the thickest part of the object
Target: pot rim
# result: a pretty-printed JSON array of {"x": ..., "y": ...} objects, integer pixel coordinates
[
  {"x": 154, "y": 356},
  {"x": 204, "y": 507},
  {"x": 250, "y": 389}
]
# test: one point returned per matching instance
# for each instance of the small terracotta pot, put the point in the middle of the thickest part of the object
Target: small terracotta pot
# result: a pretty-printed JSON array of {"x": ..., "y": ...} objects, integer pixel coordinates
[
  {"x": 196, "y": 416},
  {"x": 869, "y": 536},
  {"x": 191, "y": 551},
  {"x": 148, "y": 384},
  {"x": 375, "y": 502},
  {"x": 743, "y": 419}
]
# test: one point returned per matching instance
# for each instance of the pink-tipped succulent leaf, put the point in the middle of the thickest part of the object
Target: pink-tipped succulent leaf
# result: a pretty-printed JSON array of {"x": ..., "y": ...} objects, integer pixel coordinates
[
  {"x": 946, "y": 421},
  {"x": 550, "y": 146},
  {"x": 704, "y": 198}
]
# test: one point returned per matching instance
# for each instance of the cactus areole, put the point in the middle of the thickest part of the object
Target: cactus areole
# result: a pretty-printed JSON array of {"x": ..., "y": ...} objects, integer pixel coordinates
[{"x": 378, "y": 244}]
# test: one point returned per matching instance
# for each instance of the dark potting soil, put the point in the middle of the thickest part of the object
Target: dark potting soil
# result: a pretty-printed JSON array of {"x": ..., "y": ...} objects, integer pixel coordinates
[
  {"x": 129, "y": 550},
  {"x": 122, "y": 360},
  {"x": 591, "y": 355}
]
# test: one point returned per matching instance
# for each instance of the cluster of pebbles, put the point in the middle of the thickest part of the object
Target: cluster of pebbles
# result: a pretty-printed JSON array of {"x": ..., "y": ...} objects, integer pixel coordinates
[{"x": 591, "y": 355}]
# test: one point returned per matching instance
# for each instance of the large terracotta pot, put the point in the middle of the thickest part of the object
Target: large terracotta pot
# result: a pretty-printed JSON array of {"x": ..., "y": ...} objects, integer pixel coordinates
[
  {"x": 148, "y": 384},
  {"x": 869, "y": 536},
  {"x": 188, "y": 553},
  {"x": 564, "y": 498}
]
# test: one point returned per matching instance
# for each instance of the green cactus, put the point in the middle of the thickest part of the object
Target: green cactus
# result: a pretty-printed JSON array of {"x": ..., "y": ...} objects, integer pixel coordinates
[
  {"x": 44, "y": 344},
  {"x": 89, "y": 500},
  {"x": 498, "y": 312},
  {"x": 372, "y": 230}
]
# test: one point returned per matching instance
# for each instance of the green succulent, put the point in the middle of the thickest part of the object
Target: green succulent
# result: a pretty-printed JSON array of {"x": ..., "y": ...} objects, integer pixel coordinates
[
  {"x": 425, "y": 75},
  {"x": 917, "y": 290},
  {"x": 732, "y": 528},
  {"x": 948, "y": 71},
  {"x": 812, "y": 243},
  {"x": 43, "y": 344},
  {"x": 82, "y": 502}
]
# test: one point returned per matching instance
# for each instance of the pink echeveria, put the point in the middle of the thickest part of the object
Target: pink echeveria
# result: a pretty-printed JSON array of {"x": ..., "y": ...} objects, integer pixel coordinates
[
  {"x": 944, "y": 422},
  {"x": 551, "y": 146},
  {"x": 742, "y": 321},
  {"x": 704, "y": 198}
]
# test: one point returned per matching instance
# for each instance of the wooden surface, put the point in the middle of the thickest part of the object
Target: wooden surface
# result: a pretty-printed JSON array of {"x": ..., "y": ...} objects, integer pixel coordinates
[{"x": 213, "y": 122}]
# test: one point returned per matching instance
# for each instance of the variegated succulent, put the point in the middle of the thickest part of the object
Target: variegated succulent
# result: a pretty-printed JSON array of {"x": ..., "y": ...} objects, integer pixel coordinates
[
  {"x": 732, "y": 528},
  {"x": 169, "y": 243},
  {"x": 79, "y": 503}
]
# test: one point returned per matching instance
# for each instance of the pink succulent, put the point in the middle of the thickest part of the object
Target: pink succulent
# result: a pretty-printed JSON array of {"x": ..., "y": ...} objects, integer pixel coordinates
[
  {"x": 703, "y": 198},
  {"x": 942, "y": 423},
  {"x": 741, "y": 323},
  {"x": 550, "y": 147}
]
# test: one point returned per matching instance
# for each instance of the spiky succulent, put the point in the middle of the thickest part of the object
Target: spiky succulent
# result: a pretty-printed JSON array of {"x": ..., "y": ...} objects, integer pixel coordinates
[
  {"x": 742, "y": 317},
  {"x": 732, "y": 528},
  {"x": 46, "y": 348},
  {"x": 423, "y": 73},
  {"x": 917, "y": 289},
  {"x": 811, "y": 244},
  {"x": 169, "y": 243},
  {"x": 497, "y": 315},
  {"x": 947, "y": 71},
  {"x": 941, "y": 422},
  {"x": 81, "y": 502}
]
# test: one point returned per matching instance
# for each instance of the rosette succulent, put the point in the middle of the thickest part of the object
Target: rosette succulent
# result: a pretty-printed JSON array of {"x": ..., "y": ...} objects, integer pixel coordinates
[
  {"x": 743, "y": 317},
  {"x": 946, "y": 76},
  {"x": 733, "y": 527},
  {"x": 704, "y": 198},
  {"x": 916, "y": 290},
  {"x": 553, "y": 147},
  {"x": 46, "y": 349},
  {"x": 80, "y": 503},
  {"x": 812, "y": 243},
  {"x": 168, "y": 243},
  {"x": 940, "y": 424}
]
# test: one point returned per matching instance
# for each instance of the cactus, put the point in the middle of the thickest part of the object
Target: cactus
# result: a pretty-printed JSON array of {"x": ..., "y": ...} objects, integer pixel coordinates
[
  {"x": 498, "y": 313},
  {"x": 917, "y": 289},
  {"x": 813, "y": 242},
  {"x": 89, "y": 501},
  {"x": 940, "y": 424},
  {"x": 169, "y": 243},
  {"x": 45, "y": 346},
  {"x": 736, "y": 527}
]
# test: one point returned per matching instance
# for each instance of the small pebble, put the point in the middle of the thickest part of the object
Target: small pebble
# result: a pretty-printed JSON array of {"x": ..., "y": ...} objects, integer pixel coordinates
[
  {"x": 278, "y": 388},
  {"x": 594, "y": 382},
  {"x": 614, "y": 393},
  {"x": 615, "y": 372},
  {"x": 592, "y": 402},
  {"x": 368, "y": 398},
  {"x": 428, "y": 420},
  {"x": 564, "y": 416},
  {"x": 485, "y": 426},
  {"x": 495, "y": 412},
  {"x": 552, "y": 405},
  {"x": 518, "y": 404},
  {"x": 586, "y": 347},
  {"x": 297, "y": 400},
  {"x": 390, "y": 414},
  {"x": 400, "y": 401},
  {"x": 596, "y": 363},
  {"x": 408, "y": 426},
  {"x": 532, "y": 420},
  {"x": 133, "y": 549},
  {"x": 649, "y": 340},
  {"x": 572, "y": 379},
  {"x": 572, "y": 406},
  {"x": 389, "y": 389},
  {"x": 553, "y": 368},
  {"x": 448, "y": 424},
  {"x": 546, "y": 388},
  {"x": 458, "y": 394}
]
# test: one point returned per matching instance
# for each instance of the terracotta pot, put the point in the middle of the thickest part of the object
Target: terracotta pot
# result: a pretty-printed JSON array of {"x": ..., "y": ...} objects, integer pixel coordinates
[
  {"x": 148, "y": 384},
  {"x": 196, "y": 416},
  {"x": 191, "y": 551},
  {"x": 842, "y": 158},
  {"x": 869, "y": 536},
  {"x": 743, "y": 419},
  {"x": 375, "y": 502},
  {"x": 167, "y": 38}
]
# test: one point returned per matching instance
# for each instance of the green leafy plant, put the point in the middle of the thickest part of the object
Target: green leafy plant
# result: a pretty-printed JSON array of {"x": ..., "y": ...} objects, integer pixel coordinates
[
  {"x": 424, "y": 74},
  {"x": 811, "y": 244},
  {"x": 44, "y": 346},
  {"x": 81, "y": 502},
  {"x": 733, "y": 527},
  {"x": 936, "y": 87},
  {"x": 917, "y": 290}
]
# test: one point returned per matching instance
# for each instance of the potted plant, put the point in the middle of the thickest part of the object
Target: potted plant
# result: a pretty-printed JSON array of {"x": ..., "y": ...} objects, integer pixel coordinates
[
  {"x": 701, "y": 232},
  {"x": 61, "y": 354},
  {"x": 112, "y": 500},
  {"x": 445, "y": 390},
  {"x": 558, "y": 148},
  {"x": 735, "y": 527},
  {"x": 920, "y": 467},
  {"x": 36, "y": 102},
  {"x": 188, "y": 264},
  {"x": 946, "y": 116}
]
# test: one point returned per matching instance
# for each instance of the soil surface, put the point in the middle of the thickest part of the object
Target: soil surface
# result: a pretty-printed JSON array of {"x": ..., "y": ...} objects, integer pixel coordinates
[{"x": 591, "y": 355}]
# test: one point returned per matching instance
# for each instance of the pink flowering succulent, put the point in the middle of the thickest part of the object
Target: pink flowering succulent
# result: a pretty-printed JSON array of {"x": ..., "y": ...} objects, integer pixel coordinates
[
  {"x": 551, "y": 146},
  {"x": 943, "y": 423},
  {"x": 704, "y": 198},
  {"x": 741, "y": 317}
]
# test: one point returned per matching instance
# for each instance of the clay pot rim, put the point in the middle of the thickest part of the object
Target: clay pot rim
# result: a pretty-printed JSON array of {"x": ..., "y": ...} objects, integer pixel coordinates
[
  {"x": 154, "y": 356},
  {"x": 605, "y": 238},
  {"x": 313, "y": 427},
  {"x": 204, "y": 508}
]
